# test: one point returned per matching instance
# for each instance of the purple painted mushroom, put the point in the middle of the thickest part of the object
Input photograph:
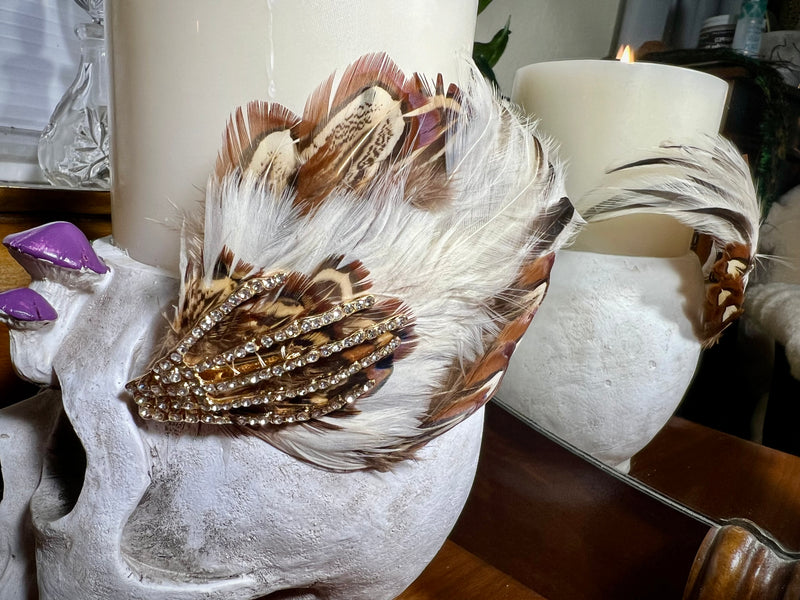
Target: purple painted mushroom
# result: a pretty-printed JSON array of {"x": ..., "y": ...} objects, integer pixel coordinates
[
  {"x": 23, "y": 304},
  {"x": 59, "y": 243}
]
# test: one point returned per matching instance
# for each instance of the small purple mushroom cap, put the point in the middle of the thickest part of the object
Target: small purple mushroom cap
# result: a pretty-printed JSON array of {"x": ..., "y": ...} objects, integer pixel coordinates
[
  {"x": 23, "y": 304},
  {"x": 60, "y": 243}
]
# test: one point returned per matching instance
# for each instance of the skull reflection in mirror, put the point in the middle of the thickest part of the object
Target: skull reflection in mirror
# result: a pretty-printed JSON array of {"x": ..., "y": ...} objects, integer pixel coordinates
[{"x": 298, "y": 427}]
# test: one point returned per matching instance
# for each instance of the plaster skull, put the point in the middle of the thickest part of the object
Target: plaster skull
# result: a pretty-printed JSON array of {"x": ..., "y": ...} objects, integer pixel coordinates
[{"x": 159, "y": 514}]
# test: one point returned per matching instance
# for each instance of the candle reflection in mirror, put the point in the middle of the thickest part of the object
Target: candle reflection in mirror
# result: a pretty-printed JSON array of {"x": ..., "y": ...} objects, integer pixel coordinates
[{"x": 614, "y": 346}]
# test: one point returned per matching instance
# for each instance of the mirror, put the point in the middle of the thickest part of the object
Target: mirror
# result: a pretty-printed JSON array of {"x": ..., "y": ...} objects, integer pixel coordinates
[{"x": 733, "y": 407}]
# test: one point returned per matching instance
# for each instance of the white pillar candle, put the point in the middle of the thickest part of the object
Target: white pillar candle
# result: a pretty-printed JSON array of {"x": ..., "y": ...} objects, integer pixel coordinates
[
  {"x": 602, "y": 112},
  {"x": 180, "y": 67}
]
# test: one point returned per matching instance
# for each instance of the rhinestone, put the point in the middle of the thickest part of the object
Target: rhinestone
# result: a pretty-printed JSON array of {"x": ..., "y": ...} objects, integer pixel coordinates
[
  {"x": 312, "y": 387},
  {"x": 312, "y": 356},
  {"x": 305, "y": 326},
  {"x": 142, "y": 387},
  {"x": 292, "y": 330},
  {"x": 348, "y": 309},
  {"x": 266, "y": 341},
  {"x": 144, "y": 411},
  {"x": 279, "y": 336},
  {"x": 301, "y": 391},
  {"x": 208, "y": 418},
  {"x": 302, "y": 416},
  {"x": 277, "y": 370},
  {"x": 157, "y": 390},
  {"x": 327, "y": 318},
  {"x": 277, "y": 420},
  {"x": 262, "y": 421},
  {"x": 219, "y": 361},
  {"x": 250, "y": 347},
  {"x": 266, "y": 374},
  {"x": 240, "y": 353},
  {"x": 322, "y": 384},
  {"x": 175, "y": 417},
  {"x": 159, "y": 415},
  {"x": 336, "y": 347},
  {"x": 290, "y": 419},
  {"x": 257, "y": 286},
  {"x": 349, "y": 398},
  {"x": 216, "y": 315},
  {"x": 354, "y": 368},
  {"x": 246, "y": 403},
  {"x": 290, "y": 393},
  {"x": 206, "y": 324},
  {"x": 336, "y": 405},
  {"x": 164, "y": 365},
  {"x": 337, "y": 313},
  {"x": 197, "y": 332},
  {"x": 191, "y": 418},
  {"x": 139, "y": 400},
  {"x": 316, "y": 322},
  {"x": 226, "y": 309}
]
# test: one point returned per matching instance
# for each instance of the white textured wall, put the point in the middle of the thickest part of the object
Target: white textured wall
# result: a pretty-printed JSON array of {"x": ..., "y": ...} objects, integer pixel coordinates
[{"x": 548, "y": 30}]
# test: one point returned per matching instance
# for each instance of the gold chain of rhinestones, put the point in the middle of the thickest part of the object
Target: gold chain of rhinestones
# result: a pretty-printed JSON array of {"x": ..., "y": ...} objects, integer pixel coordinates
[{"x": 175, "y": 391}]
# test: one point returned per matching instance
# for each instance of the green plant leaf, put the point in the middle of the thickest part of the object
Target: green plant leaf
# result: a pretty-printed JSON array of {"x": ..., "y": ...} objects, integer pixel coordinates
[
  {"x": 491, "y": 51},
  {"x": 486, "y": 70},
  {"x": 482, "y": 4}
]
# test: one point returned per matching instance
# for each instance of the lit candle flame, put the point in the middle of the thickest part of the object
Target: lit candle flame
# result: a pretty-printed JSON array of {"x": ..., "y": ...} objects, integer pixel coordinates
[{"x": 625, "y": 54}]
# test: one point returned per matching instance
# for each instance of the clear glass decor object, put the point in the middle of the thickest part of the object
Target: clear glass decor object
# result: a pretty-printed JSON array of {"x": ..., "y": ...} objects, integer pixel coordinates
[{"x": 73, "y": 148}]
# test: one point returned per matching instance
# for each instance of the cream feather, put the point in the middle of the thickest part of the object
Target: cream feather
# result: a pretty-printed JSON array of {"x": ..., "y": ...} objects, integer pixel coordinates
[
  {"x": 451, "y": 224},
  {"x": 706, "y": 186}
]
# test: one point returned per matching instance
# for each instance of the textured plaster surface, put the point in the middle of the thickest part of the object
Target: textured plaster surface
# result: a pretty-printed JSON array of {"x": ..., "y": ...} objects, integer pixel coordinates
[
  {"x": 167, "y": 511},
  {"x": 611, "y": 351}
]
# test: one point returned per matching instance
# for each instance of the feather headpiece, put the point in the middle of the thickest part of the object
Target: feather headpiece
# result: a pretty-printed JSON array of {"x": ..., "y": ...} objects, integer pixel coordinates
[
  {"x": 708, "y": 187},
  {"x": 364, "y": 271}
]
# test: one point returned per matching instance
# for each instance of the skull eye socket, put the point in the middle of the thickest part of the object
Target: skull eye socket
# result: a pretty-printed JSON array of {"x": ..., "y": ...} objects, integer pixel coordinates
[{"x": 63, "y": 472}]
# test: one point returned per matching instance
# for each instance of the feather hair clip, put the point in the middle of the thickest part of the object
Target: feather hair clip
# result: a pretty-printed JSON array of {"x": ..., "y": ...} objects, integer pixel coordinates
[
  {"x": 708, "y": 187},
  {"x": 364, "y": 271}
]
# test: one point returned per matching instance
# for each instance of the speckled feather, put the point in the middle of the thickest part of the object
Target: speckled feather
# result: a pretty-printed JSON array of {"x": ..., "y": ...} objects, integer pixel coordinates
[
  {"x": 442, "y": 204},
  {"x": 708, "y": 187}
]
